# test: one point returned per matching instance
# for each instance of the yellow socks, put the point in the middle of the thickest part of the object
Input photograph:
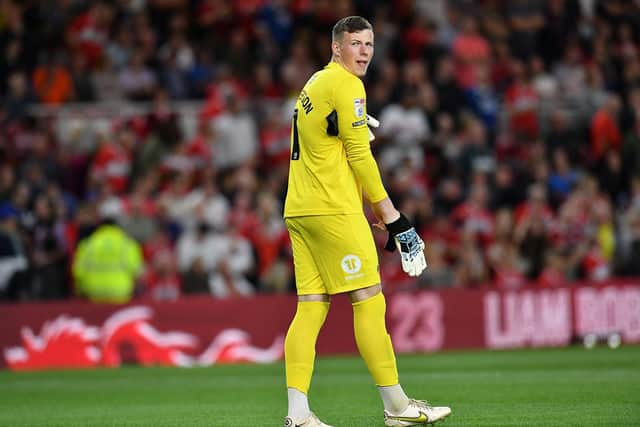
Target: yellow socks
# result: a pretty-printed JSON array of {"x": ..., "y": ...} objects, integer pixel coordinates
[
  {"x": 300, "y": 343},
  {"x": 370, "y": 332},
  {"x": 374, "y": 343}
]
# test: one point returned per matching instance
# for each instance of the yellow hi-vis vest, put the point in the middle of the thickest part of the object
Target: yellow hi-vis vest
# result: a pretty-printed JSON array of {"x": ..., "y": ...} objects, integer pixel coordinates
[{"x": 106, "y": 265}]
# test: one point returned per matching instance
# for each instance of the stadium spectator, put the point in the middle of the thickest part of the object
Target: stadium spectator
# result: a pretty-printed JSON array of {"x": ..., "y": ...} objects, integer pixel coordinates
[
  {"x": 571, "y": 76},
  {"x": 275, "y": 135},
  {"x": 521, "y": 103},
  {"x": 439, "y": 274},
  {"x": 14, "y": 272},
  {"x": 213, "y": 207},
  {"x": 161, "y": 281},
  {"x": 7, "y": 181},
  {"x": 88, "y": 32},
  {"x": 543, "y": 82},
  {"x": 483, "y": 101},
  {"x": 270, "y": 241},
  {"x": 226, "y": 257},
  {"x": 137, "y": 81},
  {"x": 505, "y": 192},
  {"x": 595, "y": 94},
  {"x": 107, "y": 264},
  {"x": 475, "y": 154},
  {"x": 630, "y": 248},
  {"x": 195, "y": 279},
  {"x": 562, "y": 134},
  {"x": 48, "y": 251},
  {"x": 526, "y": 19},
  {"x": 52, "y": 81},
  {"x": 613, "y": 177},
  {"x": 83, "y": 85},
  {"x": 553, "y": 275},
  {"x": 405, "y": 126},
  {"x": 471, "y": 52},
  {"x": 236, "y": 135},
  {"x": 176, "y": 200},
  {"x": 138, "y": 220},
  {"x": 120, "y": 47},
  {"x": 470, "y": 265},
  {"x": 233, "y": 264},
  {"x": 16, "y": 99},
  {"x": 450, "y": 95},
  {"x": 474, "y": 217},
  {"x": 561, "y": 19},
  {"x": 631, "y": 125},
  {"x": 112, "y": 162},
  {"x": 562, "y": 178},
  {"x": 605, "y": 132}
]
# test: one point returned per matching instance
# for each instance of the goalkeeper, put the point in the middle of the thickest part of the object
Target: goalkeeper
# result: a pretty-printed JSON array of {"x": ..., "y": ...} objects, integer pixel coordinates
[{"x": 331, "y": 170}]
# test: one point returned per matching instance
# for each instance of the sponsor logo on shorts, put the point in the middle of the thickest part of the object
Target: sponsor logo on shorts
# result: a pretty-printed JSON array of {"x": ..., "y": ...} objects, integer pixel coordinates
[
  {"x": 358, "y": 123},
  {"x": 351, "y": 264}
]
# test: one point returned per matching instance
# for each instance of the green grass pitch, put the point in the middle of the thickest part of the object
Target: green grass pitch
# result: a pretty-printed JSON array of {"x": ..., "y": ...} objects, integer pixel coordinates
[{"x": 554, "y": 387}]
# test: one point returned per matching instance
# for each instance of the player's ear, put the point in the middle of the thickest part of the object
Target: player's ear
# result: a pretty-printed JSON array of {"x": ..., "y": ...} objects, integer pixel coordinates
[{"x": 335, "y": 49}]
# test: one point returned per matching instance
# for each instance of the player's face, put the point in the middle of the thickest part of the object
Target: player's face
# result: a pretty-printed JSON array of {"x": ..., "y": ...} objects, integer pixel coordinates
[{"x": 355, "y": 51}]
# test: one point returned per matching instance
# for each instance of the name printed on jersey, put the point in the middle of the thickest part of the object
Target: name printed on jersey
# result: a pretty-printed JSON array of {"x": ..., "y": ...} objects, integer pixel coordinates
[{"x": 307, "y": 106}]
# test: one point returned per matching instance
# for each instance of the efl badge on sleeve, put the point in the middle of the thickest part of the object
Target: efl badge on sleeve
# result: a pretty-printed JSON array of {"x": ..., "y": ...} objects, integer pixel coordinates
[{"x": 358, "y": 107}]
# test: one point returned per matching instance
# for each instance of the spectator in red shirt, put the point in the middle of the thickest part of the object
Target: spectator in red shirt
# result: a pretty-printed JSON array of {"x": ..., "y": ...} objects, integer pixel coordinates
[
  {"x": 88, "y": 33},
  {"x": 605, "y": 132},
  {"x": 470, "y": 50},
  {"x": 474, "y": 217},
  {"x": 242, "y": 215},
  {"x": 275, "y": 137},
  {"x": 142, "y": 190},
  {"x": 522, "y": 103},
  {"x": 554, "y": 273},
  {"x": 417, "y": 36},
  {"x": 509, "y": 273},
  {"x": 535, "y": 207},
  {"x": 162, "y": 281},
  {"x": 270, "y": 240},
  {"x": 112, "y": 163},
  {"x": 264, "y": 86},
  {"x": 595, "y": 265},
  {"x": 502, "y": 255},
  {"x": 572, "y": 224}
]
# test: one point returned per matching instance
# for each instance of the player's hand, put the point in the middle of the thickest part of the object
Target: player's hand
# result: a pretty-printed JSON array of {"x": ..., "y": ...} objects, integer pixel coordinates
[
  {"x": 372, "y": 122},
  {"x": 403, "y": 236},
  {"x": 380, "y": 226}
]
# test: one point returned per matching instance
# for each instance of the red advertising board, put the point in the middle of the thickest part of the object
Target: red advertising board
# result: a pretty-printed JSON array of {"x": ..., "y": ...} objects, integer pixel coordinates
[{"x": 197, "y": 331}]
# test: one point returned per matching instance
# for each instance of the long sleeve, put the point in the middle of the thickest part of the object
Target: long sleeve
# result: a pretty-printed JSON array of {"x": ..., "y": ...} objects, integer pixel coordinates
[{"x": 352, "y": 124}]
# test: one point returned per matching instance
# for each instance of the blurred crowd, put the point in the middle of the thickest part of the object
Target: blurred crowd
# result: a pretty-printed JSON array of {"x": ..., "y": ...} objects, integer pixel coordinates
[{"x": 510, "y": 134}]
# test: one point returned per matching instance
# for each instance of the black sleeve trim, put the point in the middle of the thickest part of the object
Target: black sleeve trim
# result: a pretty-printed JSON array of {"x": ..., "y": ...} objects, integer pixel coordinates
[{"x": 332, "y": 124}]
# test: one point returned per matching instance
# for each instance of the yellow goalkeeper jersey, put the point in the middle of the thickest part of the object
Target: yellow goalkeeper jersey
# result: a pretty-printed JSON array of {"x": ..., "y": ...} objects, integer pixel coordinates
[{"x": 331, "y": 164}]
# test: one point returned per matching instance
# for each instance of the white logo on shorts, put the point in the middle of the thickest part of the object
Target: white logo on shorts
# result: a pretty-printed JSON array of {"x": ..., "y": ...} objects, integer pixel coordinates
[{"x": 351, "y": 264}]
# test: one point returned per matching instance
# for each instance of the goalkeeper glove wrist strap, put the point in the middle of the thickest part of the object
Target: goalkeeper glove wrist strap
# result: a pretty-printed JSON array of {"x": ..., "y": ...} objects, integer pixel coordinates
[{"x": 394, "y": 228}]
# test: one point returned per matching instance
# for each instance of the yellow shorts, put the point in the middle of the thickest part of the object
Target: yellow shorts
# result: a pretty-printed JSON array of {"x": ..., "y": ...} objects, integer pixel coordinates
[{"x": 333, "y": 253}]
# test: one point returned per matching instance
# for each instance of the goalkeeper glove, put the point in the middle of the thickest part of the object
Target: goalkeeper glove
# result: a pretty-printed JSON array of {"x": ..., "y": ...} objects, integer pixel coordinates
[
  {"x": 372, "y": 122},
  {"x": 403, "y": 236}
]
